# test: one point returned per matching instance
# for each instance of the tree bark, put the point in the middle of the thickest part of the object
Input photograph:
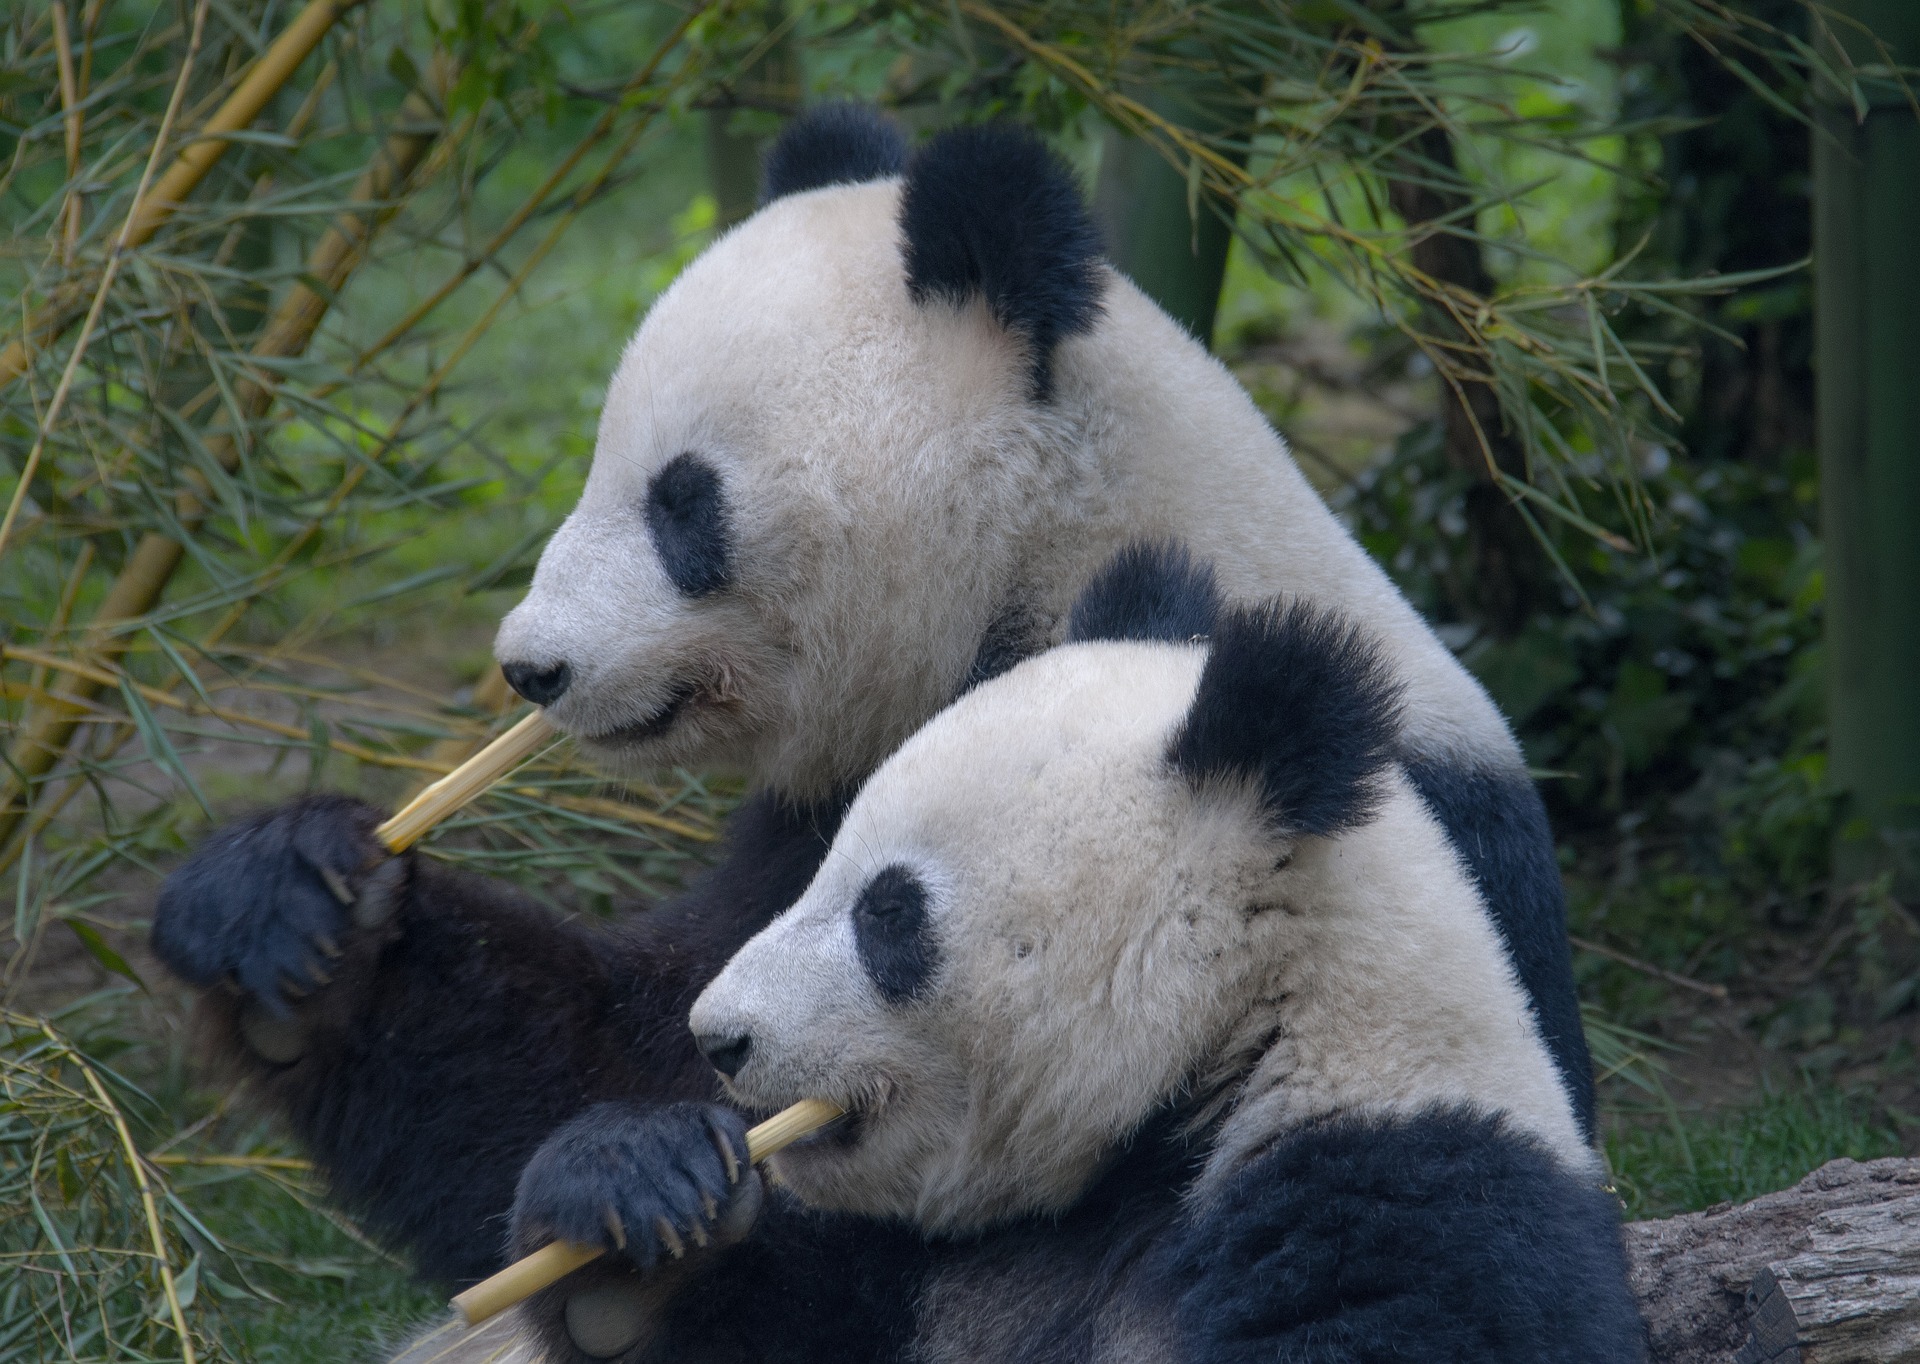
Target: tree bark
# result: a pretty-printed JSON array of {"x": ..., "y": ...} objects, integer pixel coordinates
[{"x": 1827, "y": 1272}]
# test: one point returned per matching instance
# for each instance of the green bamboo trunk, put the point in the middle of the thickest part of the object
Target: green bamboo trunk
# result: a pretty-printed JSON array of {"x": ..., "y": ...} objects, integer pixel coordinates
[
  {"x": 1867, "y": 329},
  {"x": 773, "y": 82},
  {"x": 1170, "y": 242}
]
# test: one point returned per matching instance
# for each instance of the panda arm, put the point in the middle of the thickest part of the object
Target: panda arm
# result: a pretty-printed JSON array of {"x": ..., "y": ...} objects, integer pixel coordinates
[
  {"x": 1438, "y": 1237},
  {"x": 454, "y": 1035}
]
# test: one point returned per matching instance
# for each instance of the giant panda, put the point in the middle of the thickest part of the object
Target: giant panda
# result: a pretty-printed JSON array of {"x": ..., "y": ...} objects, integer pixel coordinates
[
  {"x": 859, "y": 457},
  {"x": 1169, "y": 1026}
]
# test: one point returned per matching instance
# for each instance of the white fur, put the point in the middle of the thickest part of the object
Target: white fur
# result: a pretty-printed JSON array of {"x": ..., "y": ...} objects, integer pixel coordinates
[
  {"x": 893, "y": 489},
  {"x": 1112, "y": 938}
]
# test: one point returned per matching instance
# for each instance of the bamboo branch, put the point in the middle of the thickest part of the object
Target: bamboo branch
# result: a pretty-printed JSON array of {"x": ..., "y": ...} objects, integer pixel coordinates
[
  {"x": 43, "y": 736},
  {"x": 114, "y": 257},
  {"x": 275, "y": 67}
]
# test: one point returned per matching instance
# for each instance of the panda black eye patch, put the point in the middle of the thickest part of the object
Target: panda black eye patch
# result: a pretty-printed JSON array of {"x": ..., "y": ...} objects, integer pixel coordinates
[
  {"x": 894, "y": 935},
  {"x": 687, "y": 517}
]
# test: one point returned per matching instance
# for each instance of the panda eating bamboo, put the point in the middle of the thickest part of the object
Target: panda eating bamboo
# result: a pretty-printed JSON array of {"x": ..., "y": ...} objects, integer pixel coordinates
[
  {"x": 1169, "y": 1026},
  {"x": 860, "y": 456}
]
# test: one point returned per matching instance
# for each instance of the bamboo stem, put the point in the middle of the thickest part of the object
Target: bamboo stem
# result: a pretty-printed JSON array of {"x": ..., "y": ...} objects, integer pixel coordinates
[
  {"x": 554, "y": 1261},
  {"x": 137, "y": 1166},
  {"x": 70, "y": 111},
  {"x": 273, "y": 70},
  {"x": 466, "y": 782}
]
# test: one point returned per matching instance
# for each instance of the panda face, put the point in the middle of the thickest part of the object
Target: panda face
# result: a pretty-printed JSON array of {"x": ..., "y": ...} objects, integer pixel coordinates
[
  {"x": 799, "y": 470},
  {"x": 824, "y": 464},
  {"x": 1129, "y": 874},
  {"x": 1030, "y": 932}
]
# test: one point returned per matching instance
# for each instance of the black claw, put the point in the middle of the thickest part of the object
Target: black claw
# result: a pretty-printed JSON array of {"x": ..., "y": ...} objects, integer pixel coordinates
[{"x": 337, "y": 884}]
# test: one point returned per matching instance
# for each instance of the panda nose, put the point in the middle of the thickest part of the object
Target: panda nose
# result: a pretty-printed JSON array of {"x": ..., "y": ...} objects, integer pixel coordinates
[
  {"x": 542, "y": 686},
  {"x": 727, "y": 1054}
]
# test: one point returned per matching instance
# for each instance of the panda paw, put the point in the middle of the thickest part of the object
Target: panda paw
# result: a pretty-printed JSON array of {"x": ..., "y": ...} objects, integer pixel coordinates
[
  {"x": 652, "y": 1181},
  {"x": 266, "y": 903}
]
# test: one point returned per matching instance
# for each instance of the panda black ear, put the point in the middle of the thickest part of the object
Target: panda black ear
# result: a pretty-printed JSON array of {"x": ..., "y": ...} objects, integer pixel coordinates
[
  {"x": 1149, "y": 590},
  {"x": 832, "y": 144},
  {"x": 991, "y": 211},
  {"x": 1303, "y": 705}
]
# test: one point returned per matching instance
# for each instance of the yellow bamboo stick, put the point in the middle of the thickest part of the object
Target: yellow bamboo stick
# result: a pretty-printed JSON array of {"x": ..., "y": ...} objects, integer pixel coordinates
[
  {"x": 554, "y": 1261},
  {"x": 467, "y": 781}
]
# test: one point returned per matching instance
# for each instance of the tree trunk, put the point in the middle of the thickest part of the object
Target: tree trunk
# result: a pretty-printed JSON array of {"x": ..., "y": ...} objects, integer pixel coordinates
[
  {"x": 1827, "y": 1272},
  {"x": 1867, "y": 340},
  {"x": 1173, "y": 247},
  {"x": 1509, "y": 571},
  {"x": 774, "y": 82}
]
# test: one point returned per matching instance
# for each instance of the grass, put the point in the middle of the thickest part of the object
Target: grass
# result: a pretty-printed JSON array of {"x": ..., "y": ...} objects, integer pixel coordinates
[
  {"x": 1685, "y": 1162},
  {"x": 316, "y": 1292}
]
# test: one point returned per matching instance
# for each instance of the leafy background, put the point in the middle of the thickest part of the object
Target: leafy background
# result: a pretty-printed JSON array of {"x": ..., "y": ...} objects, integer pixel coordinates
[{"x": 1584, "y": 225}]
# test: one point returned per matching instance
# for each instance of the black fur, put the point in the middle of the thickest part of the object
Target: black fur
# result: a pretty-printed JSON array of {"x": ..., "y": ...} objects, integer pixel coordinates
[
  {"x": 613, "y": 1175},
  {"x": 687, "y": 516},
  {"x": 804, "y": 1288},
  {"x": 1149, "y": 590},
  {"x": 894, "y": 935},
  {"x": 460, "y": 1033},
  {"x": 1438, "y": 1239},
  {"x": 1443, "y": 1238},
  {"x": 254, "y": 905},
  {"x": 991, "y": 211},
  {"x": 832, "y": 144},
  {"x": 1499, "y": 826},
  {"x": 1016, "y": 633},
  {"x": 1300, "y": 702}
]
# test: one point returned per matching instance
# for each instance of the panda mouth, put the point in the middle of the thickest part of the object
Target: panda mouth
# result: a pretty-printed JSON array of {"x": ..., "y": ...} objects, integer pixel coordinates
[
  {"x": 843, "y": 1133},
  {"x": 654, "y": 725}
]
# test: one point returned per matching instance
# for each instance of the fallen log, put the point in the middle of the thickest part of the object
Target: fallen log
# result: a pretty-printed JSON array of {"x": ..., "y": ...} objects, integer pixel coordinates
[{"x": 1827, "y": 1272}]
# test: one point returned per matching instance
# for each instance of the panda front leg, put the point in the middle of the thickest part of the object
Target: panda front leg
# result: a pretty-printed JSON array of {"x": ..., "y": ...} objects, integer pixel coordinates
[
  {"x": 1442, "y": 1237},
  {"x": 703, "y": 1261},
  {"x": 423, "y": 1030}
]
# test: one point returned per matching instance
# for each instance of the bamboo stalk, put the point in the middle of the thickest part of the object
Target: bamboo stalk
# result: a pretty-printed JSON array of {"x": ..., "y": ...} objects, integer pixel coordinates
[
  {"x": 43, "y": 735},
  {"x": 465, "y": 782},
  {"x": 70, "y": 112},
  {"x": 554, "y": 1261},
  {"x": 275, "y": 67}
]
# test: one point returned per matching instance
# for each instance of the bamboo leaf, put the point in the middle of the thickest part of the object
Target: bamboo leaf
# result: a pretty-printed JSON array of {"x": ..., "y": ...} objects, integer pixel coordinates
[
  {"x": 159, "y": 747},
  {"x": 101, "y": 951}
]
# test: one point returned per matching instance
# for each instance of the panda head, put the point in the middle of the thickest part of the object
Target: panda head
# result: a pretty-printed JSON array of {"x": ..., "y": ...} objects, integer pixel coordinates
[
  {"x": 1052, "y": 910},
  {"x": 816, "y": 461}
]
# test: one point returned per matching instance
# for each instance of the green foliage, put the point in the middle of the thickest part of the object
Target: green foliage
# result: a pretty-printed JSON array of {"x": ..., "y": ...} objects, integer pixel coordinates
[
  {"x": 1686, "y": 1164},
  {"x": 1677, "y": 689},
  {"x": 258, "y": 1267}
]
